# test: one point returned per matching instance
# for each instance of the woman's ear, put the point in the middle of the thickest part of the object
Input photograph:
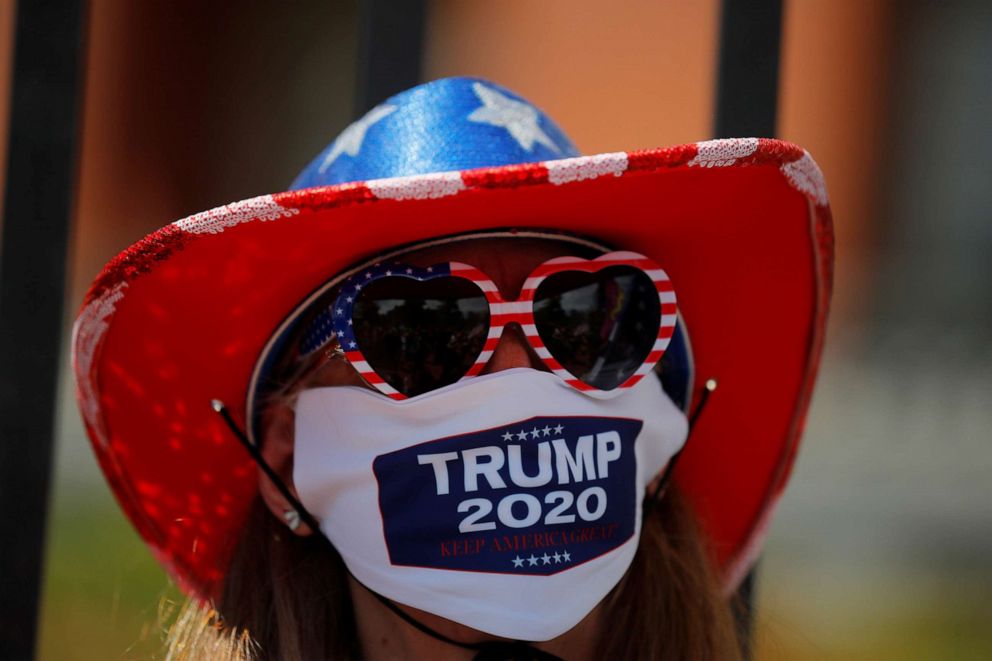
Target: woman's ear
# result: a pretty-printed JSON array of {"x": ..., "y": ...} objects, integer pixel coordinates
[{"x": 277, "y": 450}]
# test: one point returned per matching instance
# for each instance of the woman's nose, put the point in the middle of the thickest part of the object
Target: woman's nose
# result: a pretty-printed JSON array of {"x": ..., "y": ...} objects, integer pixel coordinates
[{"x": 512, "y": 350}]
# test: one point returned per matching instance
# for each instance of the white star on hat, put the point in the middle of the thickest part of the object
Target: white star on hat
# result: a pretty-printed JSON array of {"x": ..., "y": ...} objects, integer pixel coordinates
[
  {"x": 517, "y": 117},
  {"x": 518, "y": 561},
  {"x": 350, "y": 140}
]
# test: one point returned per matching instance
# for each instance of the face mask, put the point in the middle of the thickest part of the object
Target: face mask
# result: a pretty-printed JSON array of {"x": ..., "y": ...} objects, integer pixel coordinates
[{"x": 510, "y": 502}]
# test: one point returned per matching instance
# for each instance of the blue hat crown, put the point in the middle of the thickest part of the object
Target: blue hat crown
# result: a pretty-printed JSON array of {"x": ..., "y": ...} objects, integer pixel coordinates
[{"x": 444, "y": 125}]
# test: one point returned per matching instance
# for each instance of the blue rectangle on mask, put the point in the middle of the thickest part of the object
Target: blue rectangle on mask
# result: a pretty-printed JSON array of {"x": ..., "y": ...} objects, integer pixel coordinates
[{"x": 537, "y": 496}]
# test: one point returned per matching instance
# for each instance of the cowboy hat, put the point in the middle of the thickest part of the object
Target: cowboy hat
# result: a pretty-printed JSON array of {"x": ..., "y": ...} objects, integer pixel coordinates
[{"x": 188, "y": 314}]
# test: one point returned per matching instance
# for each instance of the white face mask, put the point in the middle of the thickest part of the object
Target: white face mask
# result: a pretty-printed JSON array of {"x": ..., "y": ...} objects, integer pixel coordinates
[{"x": 510, "y": 502}]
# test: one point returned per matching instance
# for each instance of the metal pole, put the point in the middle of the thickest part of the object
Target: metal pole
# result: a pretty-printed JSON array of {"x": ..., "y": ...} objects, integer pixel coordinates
[
  {"x": 38, "y": 200},
  {"x": 747, "y": 82},
  {"x": 390, "y": 45},
  {"x": 746, "y": 106}
]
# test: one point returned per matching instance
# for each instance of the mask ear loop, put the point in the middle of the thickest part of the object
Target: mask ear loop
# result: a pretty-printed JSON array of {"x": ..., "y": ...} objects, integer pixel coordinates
[
  {"x": 517, "y": 650},
  {"x": 256, "y": 454},
  {"x": 662, "y": 486}
]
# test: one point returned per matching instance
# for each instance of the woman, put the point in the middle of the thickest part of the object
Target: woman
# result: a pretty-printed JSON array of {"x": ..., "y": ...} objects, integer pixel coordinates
[{"x": 463, "y": 391}]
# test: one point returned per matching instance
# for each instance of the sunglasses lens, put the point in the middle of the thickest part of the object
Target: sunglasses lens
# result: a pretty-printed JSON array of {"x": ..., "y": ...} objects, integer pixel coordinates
[
  {"x": 419, "y": 336},
  {"x": 600, "y": 326}
]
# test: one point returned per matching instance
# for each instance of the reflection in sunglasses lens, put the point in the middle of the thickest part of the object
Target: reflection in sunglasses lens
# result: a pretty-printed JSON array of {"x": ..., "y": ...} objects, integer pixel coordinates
[
  {"x": 419, "y": 336},
  {"x": 600, "y": 326}
]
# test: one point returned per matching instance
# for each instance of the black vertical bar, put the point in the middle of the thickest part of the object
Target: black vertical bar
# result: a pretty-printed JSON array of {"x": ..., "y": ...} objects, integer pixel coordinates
[
  {"x": 744, "y": 612},
  {"x": 38, "y": 202},
  {"x": 747, "y": 81},
  {"x": 746, "y": 106},
  {"x": 390, "y": 49}
]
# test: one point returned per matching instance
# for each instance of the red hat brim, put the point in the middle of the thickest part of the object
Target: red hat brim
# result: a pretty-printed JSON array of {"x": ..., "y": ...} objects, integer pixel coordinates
[{"x": 741, "y": 226}]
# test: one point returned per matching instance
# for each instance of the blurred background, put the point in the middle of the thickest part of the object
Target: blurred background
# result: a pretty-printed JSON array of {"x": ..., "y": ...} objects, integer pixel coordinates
[{"x": 882, "y": 547}]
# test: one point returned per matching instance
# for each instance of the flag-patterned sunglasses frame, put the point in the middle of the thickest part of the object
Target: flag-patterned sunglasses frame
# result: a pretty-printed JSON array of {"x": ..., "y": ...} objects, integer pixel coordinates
[{"x": 336, "y": 322}]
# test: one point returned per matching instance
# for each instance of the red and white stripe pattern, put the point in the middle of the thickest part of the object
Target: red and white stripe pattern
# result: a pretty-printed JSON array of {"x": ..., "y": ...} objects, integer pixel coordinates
[
  {"x": 498, "y": 312},
  {"x": 503, "y": 312},
  {"x": 358, "y": 361},
  {"x": 662, "y": 284}
]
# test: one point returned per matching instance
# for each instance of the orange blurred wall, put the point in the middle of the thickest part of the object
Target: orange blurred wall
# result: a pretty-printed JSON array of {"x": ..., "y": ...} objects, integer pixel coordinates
[
  {"x": 617, "y": 76},
  {"x": 628, "y": 75},
  {"x": 836, "y": 59}
]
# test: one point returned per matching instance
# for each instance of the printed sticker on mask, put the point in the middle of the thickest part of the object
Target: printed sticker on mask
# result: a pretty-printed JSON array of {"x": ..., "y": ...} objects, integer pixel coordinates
[{"x": 538, "y": 496}]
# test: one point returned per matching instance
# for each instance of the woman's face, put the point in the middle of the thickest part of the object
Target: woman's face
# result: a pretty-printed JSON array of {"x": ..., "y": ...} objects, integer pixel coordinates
[{"x": 508, "y": 262}]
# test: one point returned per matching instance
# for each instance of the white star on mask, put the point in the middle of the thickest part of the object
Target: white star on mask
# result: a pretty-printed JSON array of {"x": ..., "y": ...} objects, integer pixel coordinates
[
  {"x": 518, "y": 118},
  {"x": 350, "y": 140}
]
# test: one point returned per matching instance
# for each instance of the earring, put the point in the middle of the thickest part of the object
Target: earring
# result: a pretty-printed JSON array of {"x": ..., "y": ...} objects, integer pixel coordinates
[{"x": 292, "y": 519}]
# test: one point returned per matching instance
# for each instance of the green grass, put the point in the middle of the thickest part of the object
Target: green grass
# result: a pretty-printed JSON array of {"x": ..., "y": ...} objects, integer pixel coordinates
[
  {"x": 906, "y": 616},
  {"x": 103, "y": 590}
]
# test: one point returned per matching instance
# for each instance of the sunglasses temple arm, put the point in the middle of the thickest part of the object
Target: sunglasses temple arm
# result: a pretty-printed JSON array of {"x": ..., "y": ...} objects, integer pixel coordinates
[
  {"x": 659, "y": 490},
  {"x": 256, "y": 455}
]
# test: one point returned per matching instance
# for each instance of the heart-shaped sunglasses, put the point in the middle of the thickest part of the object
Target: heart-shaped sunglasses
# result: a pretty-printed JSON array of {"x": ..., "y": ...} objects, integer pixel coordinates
[{"x": 598, "y": 324}]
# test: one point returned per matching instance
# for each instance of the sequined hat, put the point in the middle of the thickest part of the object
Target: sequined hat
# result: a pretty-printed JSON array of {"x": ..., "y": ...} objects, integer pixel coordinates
[{"x": 192, "y": 312}]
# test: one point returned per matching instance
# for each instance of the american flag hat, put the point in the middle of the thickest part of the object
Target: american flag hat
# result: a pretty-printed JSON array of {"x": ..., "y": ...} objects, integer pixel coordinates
[{"x": 199, "y": 309}]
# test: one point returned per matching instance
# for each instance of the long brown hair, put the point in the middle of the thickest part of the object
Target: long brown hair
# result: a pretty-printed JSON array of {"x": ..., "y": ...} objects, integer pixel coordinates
[{"x": 290, "y": 595}]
